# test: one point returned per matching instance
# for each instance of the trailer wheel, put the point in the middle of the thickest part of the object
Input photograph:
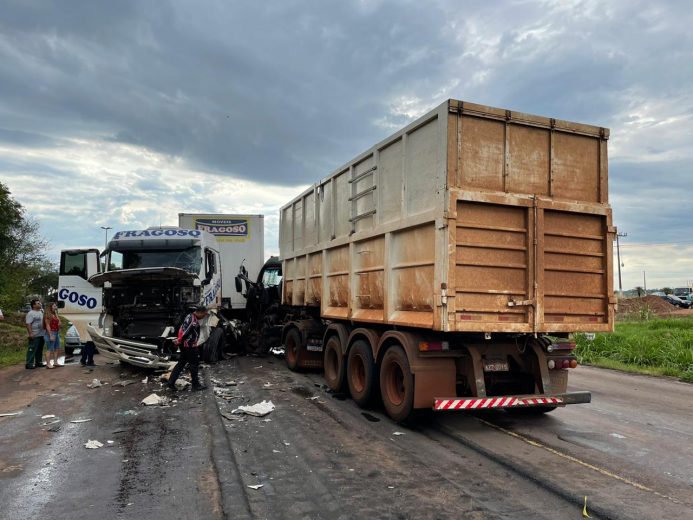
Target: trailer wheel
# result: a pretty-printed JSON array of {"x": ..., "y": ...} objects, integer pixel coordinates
[
  {"x": 397, "y": 384},
  {"x": 334, "y": 364},
  {"x": 362, "y": 373},
  {"x": 292, "y": 349}
]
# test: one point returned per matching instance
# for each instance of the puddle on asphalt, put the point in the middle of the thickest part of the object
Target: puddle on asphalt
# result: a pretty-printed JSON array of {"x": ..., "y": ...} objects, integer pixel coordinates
[{"x": 371, "y": 418}]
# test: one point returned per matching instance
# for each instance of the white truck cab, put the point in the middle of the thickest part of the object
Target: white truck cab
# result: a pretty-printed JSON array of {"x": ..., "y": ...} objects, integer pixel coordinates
[{"x": 151, "y": 279}]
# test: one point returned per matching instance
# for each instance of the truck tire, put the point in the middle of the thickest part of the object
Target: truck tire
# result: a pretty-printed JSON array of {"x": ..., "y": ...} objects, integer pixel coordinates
[
  {"x": 292, "y": 349},
  {"x": 361, "y": 373},
  {"x": 213, "y": 348},
  {"x": 397, "y": 384},
  {"x": 334, "y": 364}
]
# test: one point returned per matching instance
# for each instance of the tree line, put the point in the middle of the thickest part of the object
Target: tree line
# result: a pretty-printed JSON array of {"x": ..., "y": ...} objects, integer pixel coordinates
[{"x": 25, "y": 271}]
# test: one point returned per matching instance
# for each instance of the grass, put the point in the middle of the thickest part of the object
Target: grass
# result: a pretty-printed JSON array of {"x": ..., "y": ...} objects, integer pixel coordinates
[
  {"x": 654, "y": 346},
  {"x": 13, "y": 339}
]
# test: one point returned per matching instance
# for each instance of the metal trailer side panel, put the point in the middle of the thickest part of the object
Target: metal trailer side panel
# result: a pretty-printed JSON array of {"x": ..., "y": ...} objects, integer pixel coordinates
[
  {"x": 362, "y": 244},
  {"x": 239, "y": 237},
  {"x": 469, "y": 219}
]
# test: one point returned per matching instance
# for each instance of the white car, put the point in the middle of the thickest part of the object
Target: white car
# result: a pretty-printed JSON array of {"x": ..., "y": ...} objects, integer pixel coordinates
[{"x": 73, "y": 343}]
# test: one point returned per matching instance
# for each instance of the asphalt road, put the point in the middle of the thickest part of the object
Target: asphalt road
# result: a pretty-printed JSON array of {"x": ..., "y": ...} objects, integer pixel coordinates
[{"x": 318, "y": 455}]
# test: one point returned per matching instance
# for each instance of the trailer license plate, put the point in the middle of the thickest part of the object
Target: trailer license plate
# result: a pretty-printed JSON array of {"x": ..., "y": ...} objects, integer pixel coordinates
[{"x": 496, "y": 365}]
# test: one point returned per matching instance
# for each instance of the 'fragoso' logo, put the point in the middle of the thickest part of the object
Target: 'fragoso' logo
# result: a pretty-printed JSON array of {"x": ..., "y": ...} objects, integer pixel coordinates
[
  {"x": 79, "y": 299},
  {"x": 223, "y": 227}
]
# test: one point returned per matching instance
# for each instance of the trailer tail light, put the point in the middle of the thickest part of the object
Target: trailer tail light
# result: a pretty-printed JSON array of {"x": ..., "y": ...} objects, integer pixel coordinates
[
  {"x": 552, "y": 364},
  {"x": 573, "y": 363},
  {"x": 559, "y": 364},
  {"x": 433, "y": 346}
]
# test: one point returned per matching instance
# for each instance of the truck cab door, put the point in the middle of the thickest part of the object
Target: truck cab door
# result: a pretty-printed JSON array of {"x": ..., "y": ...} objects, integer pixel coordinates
[{"x": 75, "y": 294}]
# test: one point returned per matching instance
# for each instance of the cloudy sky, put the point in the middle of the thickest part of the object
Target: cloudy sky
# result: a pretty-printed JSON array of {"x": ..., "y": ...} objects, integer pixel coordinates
[{"x": 126, "y": 113}]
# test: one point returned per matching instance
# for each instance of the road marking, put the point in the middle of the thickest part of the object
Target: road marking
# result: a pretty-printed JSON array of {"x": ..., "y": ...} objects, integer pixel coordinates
[{"x": 603, "y": 471}]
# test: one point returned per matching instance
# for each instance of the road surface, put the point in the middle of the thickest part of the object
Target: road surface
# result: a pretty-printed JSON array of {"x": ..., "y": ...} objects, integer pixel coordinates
[{"x": 317, "y": 455}]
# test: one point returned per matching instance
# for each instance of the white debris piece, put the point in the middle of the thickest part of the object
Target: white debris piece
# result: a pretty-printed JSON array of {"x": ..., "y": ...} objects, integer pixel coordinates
[
  {"x": 92, "y": 445},
  {"x": 182, "y": 383},
  {"x": 95, "y": 384},
  {"x": 313, "y": 398},
  {"x": 398, "y": 433},
  {"x": 126, "y": 382},
  {"x": 9, "y": 414},
  {"x": 154, "y": 399},
  {"x": 145, "y": 380},
  {"x": 110, "y": 442},
  {"x": 47, "y": 416},
  {"x": 258, "y": 410},
  {"x": 277, "y": 351},
  {"x": 78, "y": 421},
  {"x": 276, "y": 451},
  {"x": 256, "y": 486}
]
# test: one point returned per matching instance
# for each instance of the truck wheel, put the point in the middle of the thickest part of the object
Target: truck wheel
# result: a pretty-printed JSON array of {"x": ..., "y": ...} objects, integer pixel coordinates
[
  {"x": 334, "y": 364},
  {"x": 362, "y": 373},
  {"x": 292, "y": 349},
  {"x": 213, "y": 347},
  {"x": 397, "y": 384}
]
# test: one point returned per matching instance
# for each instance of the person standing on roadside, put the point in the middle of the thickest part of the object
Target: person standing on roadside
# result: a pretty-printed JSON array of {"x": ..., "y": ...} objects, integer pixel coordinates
[
  {"x": 188, "y": 336},
  {"x": 51, "y": 323},
  {"x": 34, "y": 325}
]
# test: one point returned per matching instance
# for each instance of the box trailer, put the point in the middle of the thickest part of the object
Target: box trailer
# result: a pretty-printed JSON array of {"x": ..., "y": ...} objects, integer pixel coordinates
[
  {"x": 240, "y": 238},
  {"x": 447, "y": 265}
]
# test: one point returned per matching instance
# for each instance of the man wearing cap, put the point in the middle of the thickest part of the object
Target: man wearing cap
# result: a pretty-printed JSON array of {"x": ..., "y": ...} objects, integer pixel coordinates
[{"x": 189, "y": 350}]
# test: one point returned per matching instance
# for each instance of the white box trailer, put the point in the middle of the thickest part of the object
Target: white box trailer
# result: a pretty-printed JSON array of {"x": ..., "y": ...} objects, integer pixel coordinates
[{"x": 240, "y": 238}]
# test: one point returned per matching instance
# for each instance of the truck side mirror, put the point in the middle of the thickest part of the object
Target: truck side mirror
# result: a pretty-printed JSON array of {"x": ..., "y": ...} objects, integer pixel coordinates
[{"x": 239, "y": 285}]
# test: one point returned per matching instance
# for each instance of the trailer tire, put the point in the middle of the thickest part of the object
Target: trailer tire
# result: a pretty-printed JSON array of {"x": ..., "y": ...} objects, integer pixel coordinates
[
  {"x": 334, "y": 364},
  {"x": 213, "y": 348},
  {"x": 397, "y": 384},
  {"x": 361, "y": 373},
  {"x": 292, "y": 349}
]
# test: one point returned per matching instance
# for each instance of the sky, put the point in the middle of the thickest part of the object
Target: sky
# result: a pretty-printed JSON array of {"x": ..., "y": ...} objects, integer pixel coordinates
[{"x": 124, "y": 114}]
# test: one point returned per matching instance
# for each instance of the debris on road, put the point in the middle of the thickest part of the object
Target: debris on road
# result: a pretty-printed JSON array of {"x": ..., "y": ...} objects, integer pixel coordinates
[
  {"x": 256, "y": 486},
  {"x": 182, "y": 383},
  {"x": 277, "y": 351},
  {"x": 155, "y": 400},
  {"x": 127, "y": 412},
  {"x": 49, "y": 423},
  {"x": 227, "y": 416},
  {"x": 95, "y": 384},
  {"x": 216, "y": 382},
  {"x": 145, "y": 380},
  {"x": 78, "y": 421},
  {"x": 258, "y": 410},
  {"x": 398, "y": 433},
  {"x": 92, "y": 445},
  {"x": 9, "y": 414},
  {"x": 125, "y": 383},
  {"x": 313, "y": 398},
  {"x": 49, "y": 416},
  {"x": 53, "y": 429}
]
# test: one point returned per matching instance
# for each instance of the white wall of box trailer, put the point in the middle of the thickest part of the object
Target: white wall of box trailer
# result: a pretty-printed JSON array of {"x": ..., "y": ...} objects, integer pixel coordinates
[{"x": 240, "y": 237}]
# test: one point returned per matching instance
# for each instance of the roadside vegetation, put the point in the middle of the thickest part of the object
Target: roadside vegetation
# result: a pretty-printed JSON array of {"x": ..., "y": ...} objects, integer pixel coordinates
[
  {"x": 650, "y": 345},
  {"x": 13, "y": 339}
]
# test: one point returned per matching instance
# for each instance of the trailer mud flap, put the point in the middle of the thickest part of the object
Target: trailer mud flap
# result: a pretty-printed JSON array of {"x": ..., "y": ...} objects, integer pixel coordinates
[{"x": 511, "y": 401}]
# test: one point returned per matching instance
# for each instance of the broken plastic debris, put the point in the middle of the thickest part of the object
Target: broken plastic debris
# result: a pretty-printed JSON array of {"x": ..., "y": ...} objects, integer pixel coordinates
[
  {"x": 145, "y": 380},
  {"x": 125, "y": 383},
  {"x": 77, "y": 421},
  {"x": 313, "y": 398},
  {"x": 110, "y": 442},
  {"x": 277, "y": 351},
  {"x": 398, "y": 433},
  {"x": 267, "y": 384},
  {"x": 92, "y": 445},
  {"x": 9, "y": 414},
  {"x": 258, "y": 410},
  {"x": 154, "y": 399},
  {"x": 95, "y": 384},
  {"x": 276, "y": 451},
  {"x": 256, "y": 486},
  {"x": 47, "y": 416}
]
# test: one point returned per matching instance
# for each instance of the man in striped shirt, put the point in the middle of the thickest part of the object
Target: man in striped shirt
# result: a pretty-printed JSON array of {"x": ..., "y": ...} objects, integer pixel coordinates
[{"x": 188, "y": 336}]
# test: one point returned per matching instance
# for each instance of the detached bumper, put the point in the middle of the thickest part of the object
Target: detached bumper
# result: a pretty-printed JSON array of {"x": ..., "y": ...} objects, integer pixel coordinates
[
  {"x": 510, "y": 401},
  {"x": 133, "y": 352}
]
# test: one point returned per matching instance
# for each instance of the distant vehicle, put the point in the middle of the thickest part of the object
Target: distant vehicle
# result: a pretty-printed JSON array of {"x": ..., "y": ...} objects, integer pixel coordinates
[
  {"x": 73, "y": 343},
  {"x": 683, "y": 292},
  {"x": 678, "y": 302}
]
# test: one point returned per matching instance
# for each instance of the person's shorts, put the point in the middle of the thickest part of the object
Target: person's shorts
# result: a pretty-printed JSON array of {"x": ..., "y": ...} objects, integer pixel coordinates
[{"x": 54, "y": 345}]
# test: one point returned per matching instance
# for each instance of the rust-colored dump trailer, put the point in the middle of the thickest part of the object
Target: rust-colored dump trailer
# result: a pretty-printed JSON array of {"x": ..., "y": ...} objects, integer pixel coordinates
[{"x": 462, "y": 241}]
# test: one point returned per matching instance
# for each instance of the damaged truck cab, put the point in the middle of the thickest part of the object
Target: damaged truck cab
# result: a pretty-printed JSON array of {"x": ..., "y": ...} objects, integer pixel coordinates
[{"x": 151, "y": 279}]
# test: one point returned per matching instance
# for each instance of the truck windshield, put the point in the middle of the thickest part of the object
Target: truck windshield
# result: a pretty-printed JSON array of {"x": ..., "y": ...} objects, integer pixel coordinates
[{"x": 189, "y": 259}]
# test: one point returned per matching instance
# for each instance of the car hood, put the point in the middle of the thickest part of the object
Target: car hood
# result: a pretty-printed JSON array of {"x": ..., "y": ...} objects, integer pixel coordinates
[{"x": 150, "y": 274}]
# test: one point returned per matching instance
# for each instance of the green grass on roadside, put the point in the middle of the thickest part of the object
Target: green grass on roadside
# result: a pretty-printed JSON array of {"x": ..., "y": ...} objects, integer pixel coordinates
[
  {"x": 655, "y": 346},
  {"x": 13, "y": 339}
]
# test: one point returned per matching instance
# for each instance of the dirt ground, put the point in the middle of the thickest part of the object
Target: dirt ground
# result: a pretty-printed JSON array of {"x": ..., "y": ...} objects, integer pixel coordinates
[{"x": 654, "y": 304}]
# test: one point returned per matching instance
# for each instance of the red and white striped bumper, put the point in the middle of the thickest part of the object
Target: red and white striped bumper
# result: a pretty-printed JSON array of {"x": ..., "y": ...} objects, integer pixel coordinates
[{"x": 485, "y": 403}]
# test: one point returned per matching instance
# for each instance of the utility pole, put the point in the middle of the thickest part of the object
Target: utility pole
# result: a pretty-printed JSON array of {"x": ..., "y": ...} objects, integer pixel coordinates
[
  {"x": 618, "y": 254},
  {"x": 106, "y": 228},
  {"x": 644, "y": 282}
]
